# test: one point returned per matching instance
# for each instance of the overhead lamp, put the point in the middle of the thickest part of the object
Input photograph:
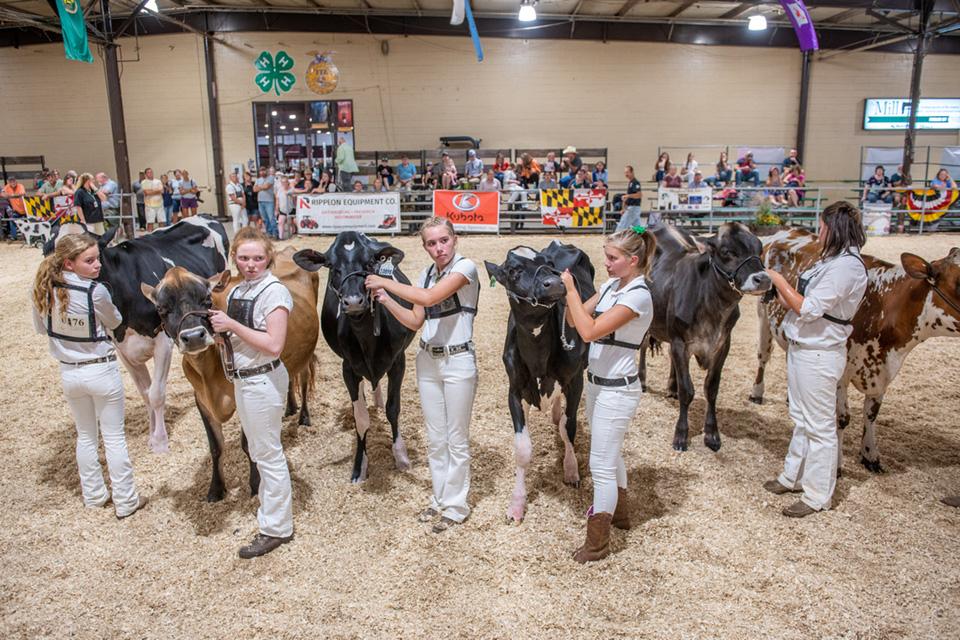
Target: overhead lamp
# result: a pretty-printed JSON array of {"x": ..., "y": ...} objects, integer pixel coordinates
[
  {"x": 283, "y": 127},
  {"x": 273, "y": 113},
  {"x": 296, "y": 128},
  {"x": 152, "y": 6},
  {"x": 293, "y": 116},
  {"x": 266, "y": 125},
  {"x": 757, "y": 23},
  {"x": 527, "y": 11}
]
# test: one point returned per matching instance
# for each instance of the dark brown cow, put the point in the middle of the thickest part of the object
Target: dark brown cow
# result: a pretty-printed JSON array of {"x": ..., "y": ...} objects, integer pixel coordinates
[
  {"x": 903, "y": 306},
  {"x": 182, "y": 299}
]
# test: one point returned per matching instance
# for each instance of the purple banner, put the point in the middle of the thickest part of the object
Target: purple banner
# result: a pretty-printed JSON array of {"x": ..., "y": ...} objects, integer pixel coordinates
[{"x": 802, "y": 24}]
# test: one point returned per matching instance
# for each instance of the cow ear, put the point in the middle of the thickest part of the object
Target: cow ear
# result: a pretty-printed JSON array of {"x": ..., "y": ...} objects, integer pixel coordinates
[
  {"x": 915, "y": 266},
  {"x": 310, "y": 260},
  {"x": 709, "y": 245},
  {"x": 495, "y": 272},
  {"x": 220, "y": 281},
  {"x": 150, "y": 293},
  {"x": 104, "y": 241},
  {"x": 390, "y": 253}
]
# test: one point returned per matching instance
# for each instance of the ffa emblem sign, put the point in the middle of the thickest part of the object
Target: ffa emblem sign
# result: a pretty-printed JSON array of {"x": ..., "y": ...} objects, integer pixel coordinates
[
  {"x": 322, "y": 74},
  {"x": 70, "y": 6}
]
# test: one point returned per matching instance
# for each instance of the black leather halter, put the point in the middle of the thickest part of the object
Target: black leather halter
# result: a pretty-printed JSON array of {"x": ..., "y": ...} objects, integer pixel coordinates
[{"x": 731, "y": 277}]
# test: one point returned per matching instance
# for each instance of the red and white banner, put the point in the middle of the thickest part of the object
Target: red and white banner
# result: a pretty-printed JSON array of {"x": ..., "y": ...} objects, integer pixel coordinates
[
  {"x": 349, "y": 211},
  {"x": 477, "y": 211}
]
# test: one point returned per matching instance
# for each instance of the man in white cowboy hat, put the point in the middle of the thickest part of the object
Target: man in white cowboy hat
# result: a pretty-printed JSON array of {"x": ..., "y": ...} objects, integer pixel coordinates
[{"x": 572, "y": 164}]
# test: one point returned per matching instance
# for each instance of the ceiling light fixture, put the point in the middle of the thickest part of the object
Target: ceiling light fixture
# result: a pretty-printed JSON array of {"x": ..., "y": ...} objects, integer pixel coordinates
[
  {"x": 757, "y": 23},
  {"x": 293, "y": 116},
  {"x": 527, "y": 11},
  {"x": 283, "y": 127},
  {"x": 152, "y": 6}
]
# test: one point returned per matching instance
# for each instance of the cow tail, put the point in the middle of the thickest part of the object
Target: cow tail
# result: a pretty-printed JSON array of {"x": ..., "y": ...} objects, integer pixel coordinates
[{"x": 656, "y": 348}]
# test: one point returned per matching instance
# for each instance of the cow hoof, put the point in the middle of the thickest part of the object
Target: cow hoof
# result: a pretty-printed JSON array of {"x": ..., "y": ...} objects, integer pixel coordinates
[
  {"x": 672, "y": 395},
  {"x": 712, "y": 443},
  {"x": 400, "y": 457},
  {"x": 839, "y": 473},
  {"x": 756, "y": 399},
  {"x": 951, "y": 501},
  {"x": 643, "y": 387},
  {"x": 679, "y": 446},
  {"x": 289, "y": 412},
  {"x": 843, "y": 421},
  {"x": 516, "y": 511},
  {"x": 304, "y": 421},
  {"x": 871, "y": 465},
  {"x": 159, "y": 445},
  {"x": 215, "y": 496}
]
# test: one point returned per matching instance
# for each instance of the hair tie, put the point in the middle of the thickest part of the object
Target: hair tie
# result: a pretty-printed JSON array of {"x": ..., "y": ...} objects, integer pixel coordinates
[{"x": 637, "y": 229}]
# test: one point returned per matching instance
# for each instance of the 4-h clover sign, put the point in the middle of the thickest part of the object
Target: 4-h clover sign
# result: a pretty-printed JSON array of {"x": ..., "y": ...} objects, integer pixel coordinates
[{"x": 274, "y": 72}]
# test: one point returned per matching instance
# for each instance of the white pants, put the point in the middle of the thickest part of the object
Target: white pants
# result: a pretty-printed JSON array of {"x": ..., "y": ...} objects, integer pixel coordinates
[
  {"x": 95, "y": 395},
  {"x": 153, "y": 215},
  {"x": 239, "y": 216},
  {"x": 811, "y": 463},
  {"x": 448, "y": 386},
  {"x": 260, "y": 404},
  {"x": 610, "y": 411}
]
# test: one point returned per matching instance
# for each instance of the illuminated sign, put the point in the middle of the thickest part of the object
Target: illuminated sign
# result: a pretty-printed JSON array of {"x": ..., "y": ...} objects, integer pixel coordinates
[{"x": 887, "y": 114}]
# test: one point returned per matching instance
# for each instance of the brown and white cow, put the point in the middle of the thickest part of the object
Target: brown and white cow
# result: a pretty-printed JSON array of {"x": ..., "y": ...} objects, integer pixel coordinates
[
  {"x": 903, "y": 306},
  {"x": 183, "y": 300}
]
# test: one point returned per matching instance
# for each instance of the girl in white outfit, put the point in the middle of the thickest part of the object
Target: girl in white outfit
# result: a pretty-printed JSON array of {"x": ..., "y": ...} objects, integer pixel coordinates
[
  {"x": 256, "y": 319},
  {"x": 75, "y": 312},
  {"x": 614, "y": 321},
  {"x": 817, "y": 326},
  {"x": 445, "y": 304}
]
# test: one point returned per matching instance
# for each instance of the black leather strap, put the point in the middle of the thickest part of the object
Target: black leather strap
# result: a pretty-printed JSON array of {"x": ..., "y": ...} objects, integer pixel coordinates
[
  {"x": 256, "y": 371},
  {"x": 111, "y": 358},
  {"x": 612, "y": 382}
]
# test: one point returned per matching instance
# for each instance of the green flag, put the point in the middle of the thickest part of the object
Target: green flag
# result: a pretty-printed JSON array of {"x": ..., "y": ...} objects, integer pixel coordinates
[{"x": 74, "y": 30}]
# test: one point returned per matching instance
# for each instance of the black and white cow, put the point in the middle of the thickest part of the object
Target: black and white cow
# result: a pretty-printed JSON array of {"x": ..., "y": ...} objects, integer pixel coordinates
[
  {"x": 35, "y": 232},
  {"x": 696, "y": 287},
  {"x": 370, "y": 341},
  {"x": 541, "y": 350},
  {"x": 198, "y": 244}
]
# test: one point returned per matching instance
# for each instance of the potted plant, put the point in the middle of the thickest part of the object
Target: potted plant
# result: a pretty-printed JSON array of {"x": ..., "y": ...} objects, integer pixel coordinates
[{"x": 766, "y": 222}]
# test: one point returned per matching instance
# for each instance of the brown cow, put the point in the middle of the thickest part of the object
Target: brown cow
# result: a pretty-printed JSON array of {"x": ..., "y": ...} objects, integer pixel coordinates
[
  {"x": 903, "y": 306},
  {"x": 183, "y": 300}
]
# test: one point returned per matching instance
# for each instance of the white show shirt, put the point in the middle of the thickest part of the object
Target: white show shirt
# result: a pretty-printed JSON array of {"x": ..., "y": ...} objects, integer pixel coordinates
[
  {"x": 612, "y": 361},
  {"x": 456, "y": 328},
  {"x": 273, "y": 294},
  {"x": 836, "y": 287},
  {"x": 106, "y": 314}
]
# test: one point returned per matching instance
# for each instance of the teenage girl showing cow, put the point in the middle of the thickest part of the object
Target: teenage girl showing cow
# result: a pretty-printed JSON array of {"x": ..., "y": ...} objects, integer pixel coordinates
[
  {"x": 614, "y": 321},
  {"x": 76, "y": 312},
  {"x": 256, "y": 319},
  {"x": 445, "y": 304}
]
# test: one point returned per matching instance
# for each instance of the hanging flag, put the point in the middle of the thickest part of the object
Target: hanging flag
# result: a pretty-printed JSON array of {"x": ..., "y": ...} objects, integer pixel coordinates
[
  {"x": 802, "y": 24},
  {"x": 572, "y": 207},
  {"x": 74, "y": 31}
]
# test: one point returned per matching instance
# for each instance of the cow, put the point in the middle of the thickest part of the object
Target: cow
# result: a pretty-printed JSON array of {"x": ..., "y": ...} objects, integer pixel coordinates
[
  {"x": 541, "y": 350},
  {"x": 369, "y": 340},
  {"x": 697, "y": 285},
  {"x": 35, "y": 232},
  {"x": 183, "y": 300},
  {"x": 903, "y": 306}
]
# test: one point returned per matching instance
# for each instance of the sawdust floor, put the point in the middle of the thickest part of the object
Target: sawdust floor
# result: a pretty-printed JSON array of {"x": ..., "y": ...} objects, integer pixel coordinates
[{"x": 709, "y": 555}]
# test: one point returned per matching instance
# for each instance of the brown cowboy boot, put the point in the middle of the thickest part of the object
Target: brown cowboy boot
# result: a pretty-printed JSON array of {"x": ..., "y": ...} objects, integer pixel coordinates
[
  {"x": 597, "y": 545},
  {"x": 621, "y": 517}
]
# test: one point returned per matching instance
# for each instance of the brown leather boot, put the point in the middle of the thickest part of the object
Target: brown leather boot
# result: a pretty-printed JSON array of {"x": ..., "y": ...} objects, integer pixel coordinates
[
  {"x": 621, "y": 517},
  {"x": 597, "y": 545}
]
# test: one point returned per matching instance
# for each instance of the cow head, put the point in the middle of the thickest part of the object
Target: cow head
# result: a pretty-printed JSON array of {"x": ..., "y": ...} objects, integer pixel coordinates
[
  {"x": 735, "y": 255},
  {"x": 351, "y": 258},
  {"x": 183, "y": 301},
  {"x": 942, "y": 275},
  {"x": 529, "y": 277}
]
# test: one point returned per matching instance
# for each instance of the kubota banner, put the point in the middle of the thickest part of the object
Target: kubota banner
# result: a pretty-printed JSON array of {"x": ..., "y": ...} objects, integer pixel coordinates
[{"x": 469, "y": 210}]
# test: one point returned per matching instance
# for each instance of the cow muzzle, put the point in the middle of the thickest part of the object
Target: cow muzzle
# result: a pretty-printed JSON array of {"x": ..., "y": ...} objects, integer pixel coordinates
[
  {"x": 354, "y": 305},
  {"x": 194, "y": 340},
  {"x": 553, "y": 289},
  {"x": 756, "y": 283}
]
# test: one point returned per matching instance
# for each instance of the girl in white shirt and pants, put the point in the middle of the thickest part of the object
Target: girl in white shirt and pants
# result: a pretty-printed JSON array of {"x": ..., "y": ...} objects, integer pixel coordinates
[
  {"x": 75, "y": 312},
  {"x": 445, "y": 304},
  {"x": 817, "y": 326},
  {"x": 615, "y": 321}
]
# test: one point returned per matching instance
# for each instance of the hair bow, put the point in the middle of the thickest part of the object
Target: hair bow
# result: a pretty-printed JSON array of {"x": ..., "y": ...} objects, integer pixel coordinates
[{"x": 638, "y": 229}]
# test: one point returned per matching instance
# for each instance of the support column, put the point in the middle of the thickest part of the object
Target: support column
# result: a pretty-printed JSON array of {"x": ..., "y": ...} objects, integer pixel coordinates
[
  {"x": 115, "y": 104},
  {"x": 219, "y": 179},
  {"x": 926, "y": 8},
  {"x": 802, "y": 111}
]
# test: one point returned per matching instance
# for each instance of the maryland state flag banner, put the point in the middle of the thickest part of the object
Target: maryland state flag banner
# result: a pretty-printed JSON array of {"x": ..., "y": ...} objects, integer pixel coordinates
[
  {"x": 74, "y": 30},
  {"x": 572, "y": 207},
  {"x": 930, "y": 204},
  {"x": 59, "y": 208}
]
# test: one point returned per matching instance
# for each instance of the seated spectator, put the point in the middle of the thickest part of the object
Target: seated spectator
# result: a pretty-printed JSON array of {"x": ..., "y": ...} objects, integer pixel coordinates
[
  {"x": 901, "y": 187},
  {"x": 548, "y": 180},
  {"x": 582, "y": 180},
  {"x": 68, "y": 186},
  {"x": 600, "y": 173},
  {"x": 875, "y": 190},
  {"x": 500, "y": 165},
  {"x": 895, "y": 178},
  {"x": 777, "y": 197},
  {"x": 357, "y": 186},
  {"x": 379, "y": 185},
  {"x": 631, "y": 201},
  {"x": 943, "y": 180},
  {"x": 489, "y": 181},
  {"x": 47, "y": 188},
  {"x": 747, "y": 170},
  {"x": 724, "y": 174},
  {"x": 689, "y": 168},
  {"x": 324, "y": 182},
  {"x": 306, "y": 186},
  {"x": 660, "y": 167},
  {"x": 385, "y": 171},
  {"x": 13, "y": 191},
  {"x": 571, "y": 163},
  {"x": 448, "y": 172},
  {"x": 529, "y": 172},
  {"x": 697, "y": 182},
  {"x": 299, "y": 180},
  {"x": 406, "y": 172},
  {"x": 473, "y": 169},
  {"x": 672, "y": 180},
  {"x": 551, "y": 164},
  {"x": 790, "y": 161},
  {"x": 428, "y": 179},
  {"x": 512, "y": 188},
  {"x": 796, "y": 179}
]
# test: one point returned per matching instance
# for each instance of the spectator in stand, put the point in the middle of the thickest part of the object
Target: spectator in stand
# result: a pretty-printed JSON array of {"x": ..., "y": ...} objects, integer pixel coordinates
[
  {"x": 13, "y": 191},
  {"x": 448, "y": 172},
  {"x": 152, "y": 199},
  {"x": 138, "y": 194},
  {"x": 548, "y": 181},
  {"x": 266, "y": 201},
  {"x": 689, "y": 168},
  {"x": 551, "y": 164},
  {"x": 47, "y": 188},
  {"x": 89, "y": 204},
  {"x": 357, "y": 186},
  {"x": 167, "y": 197},
  {"x": 631, "y": 202},
  {"x": 772, "y": 193},
  {"x": 600, "y": 174},
  {"x": 68, "y": 185},
  {"x": 406, "y": 172},
  {"x": 876, "y": 188},
  {"x": 379, "y": 185},
  {"x": 900, "y": 188},
  {"x": 571, "y": 164},
  {"x": 582, "y": 180},
  {"x": 188, "y": 195},
  {"x": 895, "y": 178},
  {"x": 235, "y": 202},
  {"x": 250, "y": 202},
  {"x": 511, "y": 185},
  {"x": 489, "y": 182},
  {"x": 175, "y": 188},
  {"x": 661, "y": 167},
  {"x": 323, "y": 183},
  {"x": 109, "y": 194},
  {"x": 473, "y": 169},
  {"x": 697, "y": 181},
  {"x": 385, "y": 171},
  {"x": 529, "y": 172},
  {"x": 500, "y": 164},
  {"x": 795, "y": 178},
  {"x": 790, "y": 161},
  {"x": 747, "y": 170},
  {"x": 284, "y": 205},
  {"x": 307, "y": 186},
  {"x": 672, "y": 180},
  {"x": 724, "y": 173},
  {"x": 345, "y": 161},
  {"x": 943, "y": 180},
  {"x": 428, "y": 179}
]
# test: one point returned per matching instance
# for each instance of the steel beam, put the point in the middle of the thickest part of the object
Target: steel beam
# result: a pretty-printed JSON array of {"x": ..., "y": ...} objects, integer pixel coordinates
[
  {"x": 629, "y": 4},
  {"x": 840, "y": 17},
  {"x": 804, "y": 99},
  {"x": 131, "y": 19},
  {"x": 683, "y": 7},
  {"x": 888, "y": 21},
  {"x": 736, "y": 11}
]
